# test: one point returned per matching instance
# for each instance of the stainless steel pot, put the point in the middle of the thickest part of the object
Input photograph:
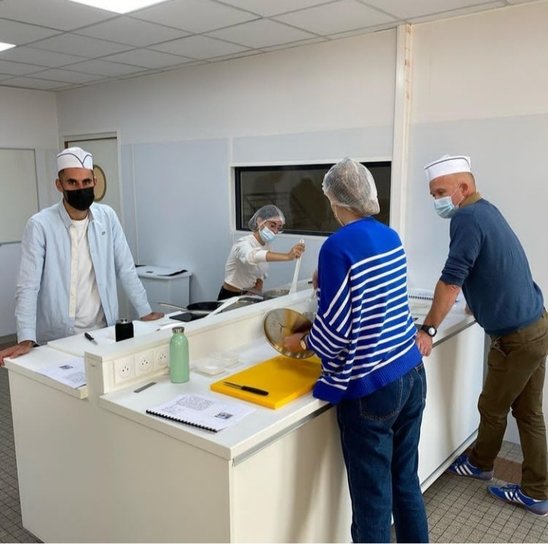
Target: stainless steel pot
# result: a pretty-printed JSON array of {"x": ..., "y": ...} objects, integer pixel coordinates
[
  {"x": 244, "y": 300},
  {"x": 275, "y": 293},
  {"x": 196, "y": 310},
  {"x": 205, "y": 307}
]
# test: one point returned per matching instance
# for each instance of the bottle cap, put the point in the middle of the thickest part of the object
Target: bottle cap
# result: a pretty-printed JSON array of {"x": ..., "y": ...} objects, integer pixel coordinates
[{"x": 178, "y": 329}]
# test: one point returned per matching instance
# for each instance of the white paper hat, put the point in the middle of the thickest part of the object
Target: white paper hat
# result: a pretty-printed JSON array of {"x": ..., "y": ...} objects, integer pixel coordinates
[
  {"x": 447, "y": 165},
  {"x": 74, "y": 157}
]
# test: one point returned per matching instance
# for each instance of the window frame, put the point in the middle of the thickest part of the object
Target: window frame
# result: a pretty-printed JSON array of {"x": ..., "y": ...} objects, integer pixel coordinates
[{"x": 238, "y": 169}]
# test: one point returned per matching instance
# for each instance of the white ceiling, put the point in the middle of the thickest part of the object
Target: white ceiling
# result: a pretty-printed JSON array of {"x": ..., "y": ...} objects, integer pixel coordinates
[{"x": 63, "y": 45}]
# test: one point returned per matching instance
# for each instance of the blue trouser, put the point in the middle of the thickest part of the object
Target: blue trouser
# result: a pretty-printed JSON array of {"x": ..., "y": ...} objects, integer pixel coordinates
[{"x": 380, "y": 436}]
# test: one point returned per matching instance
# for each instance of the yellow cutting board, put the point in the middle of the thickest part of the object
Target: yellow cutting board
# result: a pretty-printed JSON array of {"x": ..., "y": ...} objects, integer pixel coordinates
[{"x": 284, "y": 378}]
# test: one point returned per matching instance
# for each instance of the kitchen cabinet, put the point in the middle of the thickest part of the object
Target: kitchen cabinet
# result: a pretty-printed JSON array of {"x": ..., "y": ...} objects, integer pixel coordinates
[{"x": 119, "y": 474}]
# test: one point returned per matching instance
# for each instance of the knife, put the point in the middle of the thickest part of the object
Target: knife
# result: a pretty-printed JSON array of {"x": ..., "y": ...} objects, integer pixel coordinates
[{"x": 248, "y": 388}]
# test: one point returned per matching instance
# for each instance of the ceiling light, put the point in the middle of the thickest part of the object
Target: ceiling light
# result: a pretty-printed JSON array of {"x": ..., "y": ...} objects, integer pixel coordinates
[
  {"x": 4, "y": 46},
  {"x": 119, "y": 6}
]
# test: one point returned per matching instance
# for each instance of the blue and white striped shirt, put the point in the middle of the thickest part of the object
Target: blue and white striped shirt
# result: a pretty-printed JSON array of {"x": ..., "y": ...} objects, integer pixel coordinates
[{"x": 363, "y": 331}]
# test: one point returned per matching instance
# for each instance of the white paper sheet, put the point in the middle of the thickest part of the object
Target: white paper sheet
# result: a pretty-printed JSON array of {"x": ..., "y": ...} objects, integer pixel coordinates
[
  {"x": 202, "y": 411},
  {"x": 71, "y": 373}
]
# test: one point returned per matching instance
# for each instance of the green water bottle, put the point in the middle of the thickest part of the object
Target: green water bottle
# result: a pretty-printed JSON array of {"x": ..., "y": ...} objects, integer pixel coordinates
[{"x": 179, "y": 369}]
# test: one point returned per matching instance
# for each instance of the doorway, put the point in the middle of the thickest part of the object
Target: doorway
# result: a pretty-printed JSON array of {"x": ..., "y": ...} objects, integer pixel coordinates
[{"x": 104, "y": 148}]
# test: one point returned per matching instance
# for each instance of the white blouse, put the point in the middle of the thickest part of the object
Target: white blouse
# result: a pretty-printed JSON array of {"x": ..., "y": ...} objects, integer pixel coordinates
[{"x": 246, "y": 263}]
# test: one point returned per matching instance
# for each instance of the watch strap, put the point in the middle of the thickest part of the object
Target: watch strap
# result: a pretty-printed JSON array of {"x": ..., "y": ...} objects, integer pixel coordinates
[{"x": 430, "y": 330}]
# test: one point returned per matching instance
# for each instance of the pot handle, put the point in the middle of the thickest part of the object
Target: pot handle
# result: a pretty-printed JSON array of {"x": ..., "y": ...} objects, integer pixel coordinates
[
  {"x": 169, "y": 305},
  {"x": 228, "y": 302}
]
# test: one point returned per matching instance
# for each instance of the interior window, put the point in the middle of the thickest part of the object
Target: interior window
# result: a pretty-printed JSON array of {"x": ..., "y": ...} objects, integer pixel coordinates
[{"x": 297, "y": 191}]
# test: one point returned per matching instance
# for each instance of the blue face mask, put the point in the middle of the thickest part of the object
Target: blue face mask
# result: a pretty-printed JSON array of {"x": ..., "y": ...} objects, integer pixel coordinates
[
  {"x": 444, "y": 206},
  {"x": 266, "y": 235}
]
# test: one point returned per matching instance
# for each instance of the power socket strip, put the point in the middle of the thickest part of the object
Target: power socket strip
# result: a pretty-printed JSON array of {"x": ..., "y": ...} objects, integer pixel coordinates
[{"x": 133, "y": 368}]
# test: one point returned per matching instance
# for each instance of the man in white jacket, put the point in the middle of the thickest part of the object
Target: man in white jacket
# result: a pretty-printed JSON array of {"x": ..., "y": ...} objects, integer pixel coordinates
[{"x": 72, "y": 253}]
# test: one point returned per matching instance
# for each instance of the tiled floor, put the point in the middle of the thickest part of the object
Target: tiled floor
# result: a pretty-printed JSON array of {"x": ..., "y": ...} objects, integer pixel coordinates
[{"x": 459, "y": 509}]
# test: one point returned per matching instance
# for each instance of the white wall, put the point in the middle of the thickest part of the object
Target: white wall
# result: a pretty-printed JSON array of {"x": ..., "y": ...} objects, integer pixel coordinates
[
  {"x": 480, "y": 90},
  {"x": 28, "y": 119},
  {"x": 340, "y": 84},
  {"x": 182, "y": 131}
]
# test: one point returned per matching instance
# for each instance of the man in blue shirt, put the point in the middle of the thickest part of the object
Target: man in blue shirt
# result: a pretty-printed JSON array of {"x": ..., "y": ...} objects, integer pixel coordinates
[
  {"x": 487, "y": 261},
  {"x": 72, "y": 253}
]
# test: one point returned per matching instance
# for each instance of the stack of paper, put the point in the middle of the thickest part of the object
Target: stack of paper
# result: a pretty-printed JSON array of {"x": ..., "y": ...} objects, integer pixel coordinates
[{"x": 202, "y": 411}]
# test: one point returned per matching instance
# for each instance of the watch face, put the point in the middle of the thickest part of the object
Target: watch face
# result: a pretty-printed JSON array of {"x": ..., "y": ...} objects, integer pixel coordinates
[{"x": 430, "y": 330}]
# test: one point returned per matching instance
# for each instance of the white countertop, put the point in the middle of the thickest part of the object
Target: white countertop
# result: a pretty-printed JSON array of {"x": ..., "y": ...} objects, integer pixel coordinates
[
  {"x": 252, "y": 432},
  {"x": 256, "y": 429},
  {"x": 79, "y": 344},
  {"x": 456, "y": 320},
  {"x": 40, "y": 358},
  {"x": 247, "y": 434}
]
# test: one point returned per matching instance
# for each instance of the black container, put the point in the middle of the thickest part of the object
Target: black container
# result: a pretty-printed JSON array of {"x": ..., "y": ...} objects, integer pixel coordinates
[{"x": 123, "y": 329}]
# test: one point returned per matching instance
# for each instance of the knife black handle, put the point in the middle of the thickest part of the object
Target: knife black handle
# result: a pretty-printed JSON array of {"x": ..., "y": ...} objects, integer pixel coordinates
[{"x": 255, "y": 390}]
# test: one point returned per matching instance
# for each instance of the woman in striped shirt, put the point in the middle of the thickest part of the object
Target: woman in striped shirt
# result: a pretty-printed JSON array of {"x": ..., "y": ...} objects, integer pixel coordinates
[{"x": 371, "y": 367}]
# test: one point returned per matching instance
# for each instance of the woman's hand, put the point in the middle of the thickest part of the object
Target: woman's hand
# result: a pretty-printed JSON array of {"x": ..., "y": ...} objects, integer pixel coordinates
[
  {"x": 258, "y": 287},
  {"x": 293, "y": 342},
  {"x": 296, "y": 251}
]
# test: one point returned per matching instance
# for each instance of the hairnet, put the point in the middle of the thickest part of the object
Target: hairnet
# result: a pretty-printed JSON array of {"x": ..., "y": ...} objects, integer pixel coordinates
[
  {"x": 351, "y": 185},
  {"x": 266, "y": 213}
]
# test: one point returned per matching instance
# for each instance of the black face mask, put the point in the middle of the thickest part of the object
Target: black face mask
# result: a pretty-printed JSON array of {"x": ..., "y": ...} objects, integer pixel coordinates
[{"x": 81, "y": 199}]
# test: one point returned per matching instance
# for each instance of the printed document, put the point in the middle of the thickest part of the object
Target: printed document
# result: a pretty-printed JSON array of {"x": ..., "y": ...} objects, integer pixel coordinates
[
  {"x": 71, "y": 373},
  {"x": 202, "y": 411}
]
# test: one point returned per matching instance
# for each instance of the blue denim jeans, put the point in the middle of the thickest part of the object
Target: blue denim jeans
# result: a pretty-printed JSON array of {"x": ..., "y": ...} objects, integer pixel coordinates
[{"x": 380, "y": 437}]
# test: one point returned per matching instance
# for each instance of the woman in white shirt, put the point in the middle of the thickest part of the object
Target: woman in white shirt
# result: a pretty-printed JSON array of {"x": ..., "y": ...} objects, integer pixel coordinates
[{"x": 246, "y": 265}]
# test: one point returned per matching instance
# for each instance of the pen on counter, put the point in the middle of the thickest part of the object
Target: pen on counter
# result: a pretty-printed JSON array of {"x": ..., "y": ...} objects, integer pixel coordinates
[
  {"x": 143, "y": 387},
  {"x": 247, "y": 388},
  {"x": 90, "y": 338}
]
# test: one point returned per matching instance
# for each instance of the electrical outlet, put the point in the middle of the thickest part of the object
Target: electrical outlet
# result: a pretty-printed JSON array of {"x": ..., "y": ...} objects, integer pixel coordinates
[
  {"x": 144, "y": 362},
  {"x": 124, "y": 369},
  {"x": 161, "y": 358}
]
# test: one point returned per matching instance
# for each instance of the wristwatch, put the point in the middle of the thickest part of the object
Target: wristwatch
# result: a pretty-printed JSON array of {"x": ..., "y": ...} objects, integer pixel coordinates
[
  {"x": 302, "y": 343},
  {"x": 430, "y": 330}
]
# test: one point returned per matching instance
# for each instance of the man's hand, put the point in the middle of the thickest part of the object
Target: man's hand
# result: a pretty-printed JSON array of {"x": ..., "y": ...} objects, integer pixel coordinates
[
  {"x": 152, "y": 316},
  {"x": 424, "y": 343},
  {"x": 15, "y": 351}
]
